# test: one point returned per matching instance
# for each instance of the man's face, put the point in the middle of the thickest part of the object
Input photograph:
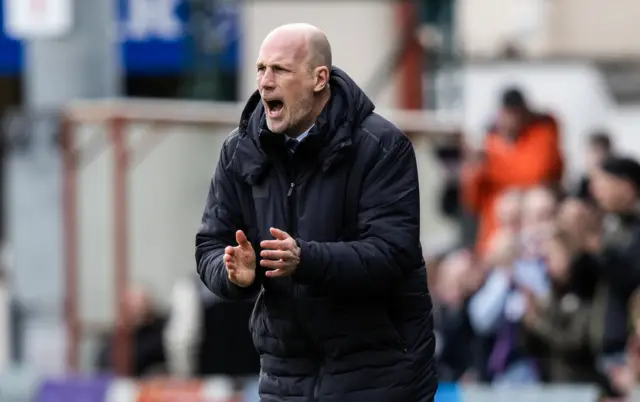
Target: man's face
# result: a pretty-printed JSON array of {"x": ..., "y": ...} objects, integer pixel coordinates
[
  {"x": 285, "y": 84},
  {"x": 612, "y": 193},
  {"x": 510, "y": 121}
]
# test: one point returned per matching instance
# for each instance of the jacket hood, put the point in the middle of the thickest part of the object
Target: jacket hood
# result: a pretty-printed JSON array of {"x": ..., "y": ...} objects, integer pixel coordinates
[{"x": 348, "y": 107}]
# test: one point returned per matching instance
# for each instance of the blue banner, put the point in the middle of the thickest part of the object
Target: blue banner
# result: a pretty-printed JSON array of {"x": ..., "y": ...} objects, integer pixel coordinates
[
  {"x": 10, "y": 50},
  {"x": 156, "y": 36}
]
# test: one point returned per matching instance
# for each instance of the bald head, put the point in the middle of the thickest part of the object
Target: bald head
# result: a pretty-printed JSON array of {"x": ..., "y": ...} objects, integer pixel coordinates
[
  {"x": 293, "y": 74},
  {"x": 319, "y": 50},
  {"x": 309, "y": 41}
]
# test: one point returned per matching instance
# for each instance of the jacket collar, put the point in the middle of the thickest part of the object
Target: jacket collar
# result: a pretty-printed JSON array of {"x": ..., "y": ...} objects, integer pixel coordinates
[{"x": 330, "y": 139}]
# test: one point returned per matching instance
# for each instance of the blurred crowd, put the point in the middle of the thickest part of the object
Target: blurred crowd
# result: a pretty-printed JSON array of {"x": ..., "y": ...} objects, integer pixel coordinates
[{"x": 548, "y": 292}]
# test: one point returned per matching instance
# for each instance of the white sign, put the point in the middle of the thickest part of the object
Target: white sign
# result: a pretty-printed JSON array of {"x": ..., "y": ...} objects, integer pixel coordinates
[{"x": 30, "y": 19}]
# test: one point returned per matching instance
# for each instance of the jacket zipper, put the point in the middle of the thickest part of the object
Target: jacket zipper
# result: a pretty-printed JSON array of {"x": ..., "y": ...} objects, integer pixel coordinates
[
  {"x": 291, "y": 196},
  {"x": 292, "y": 209},
  {"x": 291, "y": 203},
  {"x": 293, "y": 231}
]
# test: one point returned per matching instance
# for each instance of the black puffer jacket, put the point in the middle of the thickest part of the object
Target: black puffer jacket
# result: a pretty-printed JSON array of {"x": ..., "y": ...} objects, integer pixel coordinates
[{"x": 354, "y": 322}]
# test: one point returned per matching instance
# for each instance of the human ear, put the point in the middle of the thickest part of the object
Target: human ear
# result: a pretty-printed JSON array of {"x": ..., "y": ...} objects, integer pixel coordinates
[{"x": 321, "y": 75}]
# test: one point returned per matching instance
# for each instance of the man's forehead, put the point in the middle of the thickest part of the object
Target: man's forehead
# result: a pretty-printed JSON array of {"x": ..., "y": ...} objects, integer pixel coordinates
[{"x": 283, "y": 48}]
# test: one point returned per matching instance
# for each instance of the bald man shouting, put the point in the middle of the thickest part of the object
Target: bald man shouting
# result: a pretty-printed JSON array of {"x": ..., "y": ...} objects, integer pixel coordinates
[{"x": 314, "y": 208}]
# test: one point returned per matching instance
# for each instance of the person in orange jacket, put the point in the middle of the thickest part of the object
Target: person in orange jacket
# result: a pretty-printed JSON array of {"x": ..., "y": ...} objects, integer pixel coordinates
[{"x": 521, "y": 151}]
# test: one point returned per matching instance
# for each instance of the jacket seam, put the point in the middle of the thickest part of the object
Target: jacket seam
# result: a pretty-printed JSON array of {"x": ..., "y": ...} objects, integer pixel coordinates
[
  {"x": 370, "y": 134},
  {"x": 235, "y": 133}
]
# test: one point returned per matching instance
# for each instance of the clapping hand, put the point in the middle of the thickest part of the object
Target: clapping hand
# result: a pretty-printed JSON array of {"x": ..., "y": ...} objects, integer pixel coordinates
[
  {"x": 240, "y": 261},
  {"x": 280, "y": 256}
]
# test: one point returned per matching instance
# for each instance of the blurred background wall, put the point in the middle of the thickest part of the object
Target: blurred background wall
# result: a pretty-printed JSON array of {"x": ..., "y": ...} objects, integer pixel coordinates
[{"x": 564, "y": 28}]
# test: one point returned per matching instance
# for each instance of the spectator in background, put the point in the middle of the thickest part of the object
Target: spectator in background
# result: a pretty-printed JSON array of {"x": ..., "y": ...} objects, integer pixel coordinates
[
  {"x": 615, "y": 187},
  {"x": 146, "y": 325},
  {"x": 599, "y": 148},
  {"x": 625, "y": 378},
  {"x": 522, "y": 150},
  {"x": 509, "y": 211},
  {"x": 539, "y": 207},
  {"x": 556, "y": 329},
  {"x": 515, "y": 260},
  {"x": 496, "y": 309},
  {"x": 583, "y": 222},
  {"x": 538, "y": 214},
  {"x": 516, "y": 267},
  {"x": 454, "y": 335},
  {"x": 504, "y": 242}
]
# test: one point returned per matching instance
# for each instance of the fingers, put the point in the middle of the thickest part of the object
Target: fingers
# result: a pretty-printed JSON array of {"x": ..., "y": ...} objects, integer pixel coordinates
[
  {"x": 242, "y": 240},
  {"x": 231, "y": 267},
  {"x": 229, "y": 253},
  {"x": 277, "y": 254},
  {"x": 276, "y": 269},
  {"x": 275, "y": 244},
  {"x": 274, "y": 264},
  {"x": 279, "y": 234},
  {"x": 283, "y": 240},
  {"x": 229, "y": 258},
  {"x": 276, "y": 273}
]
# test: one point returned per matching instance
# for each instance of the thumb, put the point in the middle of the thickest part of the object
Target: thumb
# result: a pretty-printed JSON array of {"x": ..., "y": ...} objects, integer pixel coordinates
[
  {"x": 279, "y": 234},
  {"x": 241, "y": 238}
]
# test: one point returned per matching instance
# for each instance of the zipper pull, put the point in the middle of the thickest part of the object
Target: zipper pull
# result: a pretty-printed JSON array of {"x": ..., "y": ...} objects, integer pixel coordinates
[{"x": 291, "y": 189}]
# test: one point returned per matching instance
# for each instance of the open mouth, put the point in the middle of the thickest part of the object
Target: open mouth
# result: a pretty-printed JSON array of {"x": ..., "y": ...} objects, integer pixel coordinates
[{"x": 274, "y": 107}]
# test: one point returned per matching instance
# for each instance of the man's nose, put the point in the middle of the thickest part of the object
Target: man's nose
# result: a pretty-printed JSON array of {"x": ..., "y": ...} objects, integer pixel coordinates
[{"x": 267, "y": 81}]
